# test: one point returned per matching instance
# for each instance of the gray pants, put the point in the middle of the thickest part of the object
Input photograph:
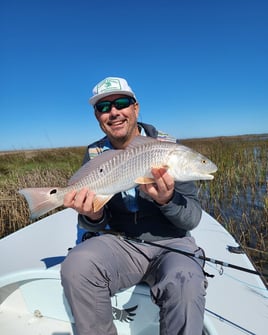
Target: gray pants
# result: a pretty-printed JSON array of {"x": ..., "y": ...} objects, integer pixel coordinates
[{"x": 99, "y": 267}]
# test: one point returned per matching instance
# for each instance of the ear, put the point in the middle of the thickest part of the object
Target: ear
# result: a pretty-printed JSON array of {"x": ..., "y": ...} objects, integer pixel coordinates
[{"x": 136, "y": 109}]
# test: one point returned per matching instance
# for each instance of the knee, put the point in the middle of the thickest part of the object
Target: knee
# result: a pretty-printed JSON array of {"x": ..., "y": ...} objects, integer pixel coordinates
[
  {"x": 180, "y": 286},
  {"x": 75, "y": 267},
  {"x": 69, "y": 269},
  {"x": 190, "y": 285},
  {"x": 83, "y": 268}
]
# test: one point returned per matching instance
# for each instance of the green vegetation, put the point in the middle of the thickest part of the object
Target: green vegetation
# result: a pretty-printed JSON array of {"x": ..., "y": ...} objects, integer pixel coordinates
[
  {"x": 38, "y": 168},
  {"x": 237, "y": 197}
]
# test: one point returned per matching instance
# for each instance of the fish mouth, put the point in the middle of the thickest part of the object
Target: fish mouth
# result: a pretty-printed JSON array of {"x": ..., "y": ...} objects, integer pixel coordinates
[{"x": 208, "y": 176}]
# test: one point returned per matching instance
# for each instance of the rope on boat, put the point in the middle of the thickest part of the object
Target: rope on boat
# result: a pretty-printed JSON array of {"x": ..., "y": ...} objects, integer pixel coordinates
[{"x": 231, "y": 323}]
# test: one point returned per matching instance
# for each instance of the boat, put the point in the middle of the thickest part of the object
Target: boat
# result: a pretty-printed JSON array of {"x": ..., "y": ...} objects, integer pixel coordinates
[{"x": 32, "y": 300}]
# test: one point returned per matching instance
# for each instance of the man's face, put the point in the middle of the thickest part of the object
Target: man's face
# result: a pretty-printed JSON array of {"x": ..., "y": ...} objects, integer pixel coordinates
[{"x": 120, "y": 125}]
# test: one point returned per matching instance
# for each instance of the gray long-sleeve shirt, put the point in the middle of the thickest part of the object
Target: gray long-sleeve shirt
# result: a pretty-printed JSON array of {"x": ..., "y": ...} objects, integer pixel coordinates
[{"x": 151, "y": 221}]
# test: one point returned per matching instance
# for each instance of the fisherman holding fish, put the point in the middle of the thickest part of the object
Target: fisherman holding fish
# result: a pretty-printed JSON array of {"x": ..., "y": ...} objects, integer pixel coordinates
[{"x": 158, "y": 208}]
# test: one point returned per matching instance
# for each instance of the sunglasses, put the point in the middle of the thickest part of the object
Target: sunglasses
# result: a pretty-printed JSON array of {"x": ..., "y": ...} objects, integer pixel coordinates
[{"x": 120, "y": 103}]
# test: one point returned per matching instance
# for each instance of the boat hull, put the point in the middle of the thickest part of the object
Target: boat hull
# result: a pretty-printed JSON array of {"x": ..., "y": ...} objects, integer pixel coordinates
[{"x": 32, "y": 299}]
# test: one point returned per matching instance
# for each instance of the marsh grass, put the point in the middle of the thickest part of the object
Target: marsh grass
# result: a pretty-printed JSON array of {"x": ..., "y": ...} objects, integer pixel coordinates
[
  {"x": 39, "y": 168},
  {"x": 237, "y": 197}
]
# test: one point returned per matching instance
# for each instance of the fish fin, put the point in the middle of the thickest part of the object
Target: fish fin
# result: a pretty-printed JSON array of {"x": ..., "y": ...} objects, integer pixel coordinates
[
  {"x": 144, "y": 180},
  {"x": 140, "y": 140},
  {"x": 148, "y": 178},
  {"x": 100, "y": 200},
  {"x": 41, "y": 200}
]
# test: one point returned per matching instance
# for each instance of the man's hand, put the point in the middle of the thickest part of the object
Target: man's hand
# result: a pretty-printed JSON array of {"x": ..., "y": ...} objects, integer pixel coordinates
[
  {"x": 162, "y": 190},
  {"x": 82, "y": 202}
]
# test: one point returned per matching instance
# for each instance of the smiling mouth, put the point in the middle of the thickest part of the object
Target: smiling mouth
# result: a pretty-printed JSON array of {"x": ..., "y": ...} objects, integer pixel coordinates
[{"x": 116, "y": 123}]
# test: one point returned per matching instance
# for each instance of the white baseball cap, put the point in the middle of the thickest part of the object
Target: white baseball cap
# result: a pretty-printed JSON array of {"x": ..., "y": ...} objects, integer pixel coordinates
[{"x": 108, "y": 86}]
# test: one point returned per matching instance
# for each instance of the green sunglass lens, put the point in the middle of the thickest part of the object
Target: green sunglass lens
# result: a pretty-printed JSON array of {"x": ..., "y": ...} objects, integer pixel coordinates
[
  {"x": 121, "y": 103},
  {"x": 104, "y": 107}
]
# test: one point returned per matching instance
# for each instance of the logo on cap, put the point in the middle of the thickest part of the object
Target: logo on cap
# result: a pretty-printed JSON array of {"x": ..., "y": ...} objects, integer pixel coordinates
[{"x": 109, "y": 85}]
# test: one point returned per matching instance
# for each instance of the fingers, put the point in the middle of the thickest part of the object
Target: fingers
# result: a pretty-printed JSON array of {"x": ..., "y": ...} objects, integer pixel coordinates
[
  {"x": 69, "y": 199},
  {"x": 163, "y": 180},
  {"x": 162, "y": 190},
  {"x": 81, "y": 201}
]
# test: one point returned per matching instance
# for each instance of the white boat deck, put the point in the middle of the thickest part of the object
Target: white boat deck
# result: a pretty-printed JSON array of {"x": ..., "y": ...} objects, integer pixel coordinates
[{"x": 32, "y": 300}]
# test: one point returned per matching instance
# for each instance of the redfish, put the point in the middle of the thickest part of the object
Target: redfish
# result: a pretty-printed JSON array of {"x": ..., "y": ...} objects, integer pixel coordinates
[{"x": 116, "y": 171}]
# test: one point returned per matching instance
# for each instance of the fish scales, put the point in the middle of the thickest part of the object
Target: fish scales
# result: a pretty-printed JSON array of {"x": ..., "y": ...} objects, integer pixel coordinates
[{"x": 117, "y": 174}]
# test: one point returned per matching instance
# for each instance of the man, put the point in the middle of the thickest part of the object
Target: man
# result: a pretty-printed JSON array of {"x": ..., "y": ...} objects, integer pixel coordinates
[{"x": 163, "y": 211}]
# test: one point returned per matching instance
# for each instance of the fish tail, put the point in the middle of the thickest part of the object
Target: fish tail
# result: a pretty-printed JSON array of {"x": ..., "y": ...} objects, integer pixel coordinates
[{"x": 41, "y": 200}]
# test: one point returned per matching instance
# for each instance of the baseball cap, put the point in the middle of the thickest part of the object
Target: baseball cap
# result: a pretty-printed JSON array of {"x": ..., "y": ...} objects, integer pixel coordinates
[{"x": 108, "y": 86}]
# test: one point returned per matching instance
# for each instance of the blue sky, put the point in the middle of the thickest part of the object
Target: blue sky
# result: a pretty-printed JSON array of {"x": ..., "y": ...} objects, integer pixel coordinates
[{"x": 198, "y": 67}]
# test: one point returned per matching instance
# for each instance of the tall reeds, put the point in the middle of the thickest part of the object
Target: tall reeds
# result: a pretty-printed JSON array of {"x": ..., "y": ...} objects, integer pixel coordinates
[
  {"x": 39, "y": 168},
  {"x": 238, "y": 196}
]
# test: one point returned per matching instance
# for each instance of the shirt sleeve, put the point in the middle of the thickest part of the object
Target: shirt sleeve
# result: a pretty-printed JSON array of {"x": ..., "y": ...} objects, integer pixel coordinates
[
  {"x": 184, "y": 209},
  {"x": 90, "y": 225}
]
